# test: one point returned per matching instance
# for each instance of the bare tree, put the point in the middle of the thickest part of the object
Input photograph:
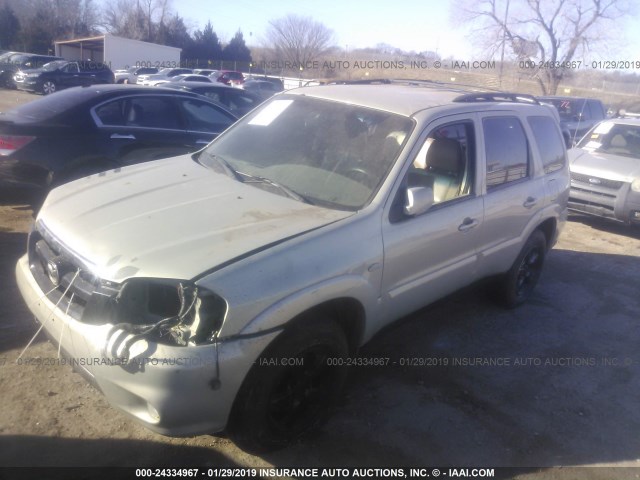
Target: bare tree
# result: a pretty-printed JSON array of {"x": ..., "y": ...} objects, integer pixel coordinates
[
  {"x": 551, "y": 31},
  {"x": 137, "y": 19},
  {"x": 299, "y": 40}
]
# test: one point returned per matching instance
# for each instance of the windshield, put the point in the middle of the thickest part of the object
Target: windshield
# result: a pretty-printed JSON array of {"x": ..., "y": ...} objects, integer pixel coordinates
[
  {"x": 613, "y": 138},
  {"x": 164, "y": 71},
  {"x": 328, "y": 153},
  {"x": 569, "y": 110}
]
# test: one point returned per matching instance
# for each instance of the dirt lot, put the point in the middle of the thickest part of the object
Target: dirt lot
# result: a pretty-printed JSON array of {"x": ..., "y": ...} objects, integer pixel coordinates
[{"x": 563, "y": 390}]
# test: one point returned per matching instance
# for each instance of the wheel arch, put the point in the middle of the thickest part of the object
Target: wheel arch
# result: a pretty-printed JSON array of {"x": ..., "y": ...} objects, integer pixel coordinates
[
  {"x": 347, "y": 312},
  {"x": 549, "y": 228}
]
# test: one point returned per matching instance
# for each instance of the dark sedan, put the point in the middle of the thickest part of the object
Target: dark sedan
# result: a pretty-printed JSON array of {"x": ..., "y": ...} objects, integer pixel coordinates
[
  {"x": 236, "y": 100},
  {"x": 85, "y": 130}
]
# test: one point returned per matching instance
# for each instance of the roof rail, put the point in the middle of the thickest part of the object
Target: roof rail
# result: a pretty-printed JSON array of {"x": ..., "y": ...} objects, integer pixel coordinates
[{"x": 497, "y": 97}]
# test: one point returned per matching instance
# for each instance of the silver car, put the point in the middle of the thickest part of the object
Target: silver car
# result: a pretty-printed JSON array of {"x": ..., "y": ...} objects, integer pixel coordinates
[
  {"x": 605, "y": 171},
  {"x": 230, "y": 288}
]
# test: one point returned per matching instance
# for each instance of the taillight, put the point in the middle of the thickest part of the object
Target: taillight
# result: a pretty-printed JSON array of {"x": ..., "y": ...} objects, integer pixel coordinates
[{"x": 12, "y": 143}]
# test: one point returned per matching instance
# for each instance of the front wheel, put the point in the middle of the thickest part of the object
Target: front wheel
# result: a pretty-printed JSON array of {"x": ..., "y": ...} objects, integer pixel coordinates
[
  {"x": 49, "y": 87},
  {"x": 289, "y": 390},
  {"x": 520, "y": 280}
]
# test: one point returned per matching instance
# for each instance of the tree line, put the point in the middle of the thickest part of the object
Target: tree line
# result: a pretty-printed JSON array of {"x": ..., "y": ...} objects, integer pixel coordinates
[{"x": 34, "y": 25}]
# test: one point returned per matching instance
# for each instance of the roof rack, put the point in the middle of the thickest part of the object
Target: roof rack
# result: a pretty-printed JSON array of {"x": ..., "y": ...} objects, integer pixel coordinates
[{"x": 497, "y": 97}]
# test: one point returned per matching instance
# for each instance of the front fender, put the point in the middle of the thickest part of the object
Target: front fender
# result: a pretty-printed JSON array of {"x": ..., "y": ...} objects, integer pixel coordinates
[{"x": 347, "y": 286}]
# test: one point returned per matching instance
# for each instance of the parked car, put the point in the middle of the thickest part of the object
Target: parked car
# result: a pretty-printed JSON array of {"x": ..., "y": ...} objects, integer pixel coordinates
[
  {"x": 130, "y": 75},
  {"x": 164, "y": 74},
  {"x": 605, "y": 171},
  {"x": 229, "y": 288},
  {"x": 181, "y": 79},
  {"x": 277, "y": 82},
  {"x": 235, "y": 100},
  {"x": 12, "y": 62},
  {"x": 577, "y": 115},
  {"x": 62, "y": 74},
  {"x": 261, "y": 88},
  {"x": 204, "y": 71},
  {"x": 229, "y": 77},
  {"x": 80, "y": 131}
]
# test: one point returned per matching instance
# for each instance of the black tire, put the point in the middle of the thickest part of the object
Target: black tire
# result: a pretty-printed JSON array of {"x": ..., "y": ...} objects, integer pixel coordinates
[
  {"x": 279, "y": 403},
  {"x": 521, "y": 279},
  {"x": 49, "y": 87}
]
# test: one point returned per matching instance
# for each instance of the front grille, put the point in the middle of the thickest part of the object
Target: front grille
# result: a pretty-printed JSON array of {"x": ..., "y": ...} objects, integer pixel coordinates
[
  {"x": 55, "y": 269},
  {"x": 596, "y": 181},
  {"x": 593, "y": 193}
]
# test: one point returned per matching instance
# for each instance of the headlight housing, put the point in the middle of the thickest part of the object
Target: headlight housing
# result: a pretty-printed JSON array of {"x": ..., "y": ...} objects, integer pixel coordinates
[
  {"x": 168, "y": 311},
  {"x": 635, "y": 185}
]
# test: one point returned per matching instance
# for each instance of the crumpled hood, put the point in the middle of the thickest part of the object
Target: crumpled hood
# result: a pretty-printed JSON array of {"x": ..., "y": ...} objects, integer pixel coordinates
[
  {"x": 604, "y": 165},
  {"x": 171, "y": 218}
]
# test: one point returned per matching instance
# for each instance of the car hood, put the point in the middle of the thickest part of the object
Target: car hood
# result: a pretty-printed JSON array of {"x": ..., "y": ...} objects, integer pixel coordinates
[
  {"x": 604, "y": 165},
  {"x": 171, "y": 218}
]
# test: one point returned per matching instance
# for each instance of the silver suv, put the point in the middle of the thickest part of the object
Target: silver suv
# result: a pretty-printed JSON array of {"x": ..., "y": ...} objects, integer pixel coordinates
[
  {"x": 228, "y": 288},
  {"x": 605, "y": 171}
]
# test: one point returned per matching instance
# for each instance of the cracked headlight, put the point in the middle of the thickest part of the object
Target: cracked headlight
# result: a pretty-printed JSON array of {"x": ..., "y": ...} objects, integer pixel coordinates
[{"x": 174, "y": 312}]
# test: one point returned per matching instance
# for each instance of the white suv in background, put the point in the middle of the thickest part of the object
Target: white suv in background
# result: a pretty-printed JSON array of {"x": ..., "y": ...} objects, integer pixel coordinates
[{"x": 226, "y": 288}]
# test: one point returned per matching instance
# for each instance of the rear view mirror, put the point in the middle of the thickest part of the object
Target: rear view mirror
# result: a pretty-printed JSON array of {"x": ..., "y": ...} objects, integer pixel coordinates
[{"x": 418, "y": 200}]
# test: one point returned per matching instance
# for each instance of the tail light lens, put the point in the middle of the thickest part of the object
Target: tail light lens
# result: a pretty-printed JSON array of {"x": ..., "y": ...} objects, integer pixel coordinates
[{"x": 12, "y": 143}]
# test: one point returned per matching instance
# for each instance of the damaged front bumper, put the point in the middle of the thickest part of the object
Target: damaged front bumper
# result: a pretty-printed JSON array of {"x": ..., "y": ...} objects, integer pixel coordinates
[{"x": 173, "y": 390}]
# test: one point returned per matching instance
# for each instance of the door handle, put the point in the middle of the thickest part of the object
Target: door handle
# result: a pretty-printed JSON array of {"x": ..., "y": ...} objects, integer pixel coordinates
[
  {"x": 467, "y": 224},
  {"x": 120, "y": 136},
  {"x": 530, "y": 202}
]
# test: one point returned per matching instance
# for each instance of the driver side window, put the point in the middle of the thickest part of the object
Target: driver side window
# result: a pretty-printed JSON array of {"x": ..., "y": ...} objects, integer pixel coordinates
[{"x": 446, "y": 162}]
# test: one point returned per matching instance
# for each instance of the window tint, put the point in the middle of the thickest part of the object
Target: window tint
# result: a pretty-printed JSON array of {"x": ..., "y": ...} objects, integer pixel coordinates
[
  {"x": 149, "y": 112},
  {"x": 204, "y": 117},
  {"x": 550, "y": 143},
  {"x": 237, "y": 101},
  {"x": 212, "y": 94},
  {"x": 506, "y": 149},
  {"x": 446, "y": 162}
]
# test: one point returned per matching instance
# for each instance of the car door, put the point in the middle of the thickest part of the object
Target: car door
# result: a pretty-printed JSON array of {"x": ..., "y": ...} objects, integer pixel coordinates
[
  {"x": 204, "y": 120},
  {"x": 69, "y": 76},
  {"x": 429, "y": 255},
  {"x": 140, "y": 128},
  {"x": 515, "y": 190}
]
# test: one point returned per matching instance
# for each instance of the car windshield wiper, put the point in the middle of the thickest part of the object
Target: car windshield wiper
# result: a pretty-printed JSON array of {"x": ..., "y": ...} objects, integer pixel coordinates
[
  {"x": 258, "y": 179},
  {"x": 228, "y": 169},
  {"x": 248, "y": 178}
]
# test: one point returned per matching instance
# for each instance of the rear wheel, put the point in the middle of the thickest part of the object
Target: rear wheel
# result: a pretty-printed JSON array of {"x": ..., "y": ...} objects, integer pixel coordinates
[
  {"x": 289, "y": 391},
  {"x": 49, "y": 87},
  {"x": 521, "y": 279}
]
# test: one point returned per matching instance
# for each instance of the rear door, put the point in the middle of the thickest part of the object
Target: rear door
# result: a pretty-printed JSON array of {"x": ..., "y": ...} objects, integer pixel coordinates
[
  {"x": 515, "y": 190},
  {"x": 142, "y": 128}
]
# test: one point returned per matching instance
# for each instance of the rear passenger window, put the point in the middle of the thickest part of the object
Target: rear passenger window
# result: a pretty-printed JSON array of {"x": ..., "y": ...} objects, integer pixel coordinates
[
  {"x": 149, "y": 112},
  {"x": 506, "y": 150},
  {"x": 550, "y": 143}
]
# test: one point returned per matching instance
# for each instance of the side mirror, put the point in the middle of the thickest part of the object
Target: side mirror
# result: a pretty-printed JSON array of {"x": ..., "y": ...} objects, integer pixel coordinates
[{"x": 418, "y": 200}]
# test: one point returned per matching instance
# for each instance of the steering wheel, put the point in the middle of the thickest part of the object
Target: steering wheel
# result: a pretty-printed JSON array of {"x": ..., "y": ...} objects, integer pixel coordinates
[{"x": 360, "y": 175}]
